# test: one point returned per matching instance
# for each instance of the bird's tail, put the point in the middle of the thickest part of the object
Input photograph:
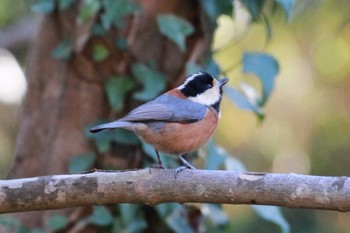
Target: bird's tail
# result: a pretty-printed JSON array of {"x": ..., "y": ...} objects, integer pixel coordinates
[{"x": 111, "y": 125}]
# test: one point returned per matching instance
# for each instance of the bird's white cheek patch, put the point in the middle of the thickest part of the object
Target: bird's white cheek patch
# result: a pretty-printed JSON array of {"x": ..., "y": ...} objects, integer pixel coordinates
[{"x": 209, "y": 97}]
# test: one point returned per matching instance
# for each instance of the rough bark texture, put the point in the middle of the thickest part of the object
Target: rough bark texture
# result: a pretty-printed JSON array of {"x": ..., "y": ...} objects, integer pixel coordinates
[
  {"x": 65, "y": 96},
  {"x": 159, "y": 185}
]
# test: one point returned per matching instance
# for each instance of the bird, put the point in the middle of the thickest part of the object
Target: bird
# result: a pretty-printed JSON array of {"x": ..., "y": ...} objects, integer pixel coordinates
[{"x": 179, "y": 121}]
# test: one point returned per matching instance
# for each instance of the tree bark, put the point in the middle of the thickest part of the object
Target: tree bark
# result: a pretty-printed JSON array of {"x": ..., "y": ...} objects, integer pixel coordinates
[
  {"x": 156, "y": 186},
  {"x": 65, "y": 96}
]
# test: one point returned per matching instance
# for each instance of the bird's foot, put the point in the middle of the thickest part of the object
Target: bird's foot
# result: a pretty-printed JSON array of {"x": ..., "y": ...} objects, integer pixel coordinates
[{"x": 187, "y": 165}]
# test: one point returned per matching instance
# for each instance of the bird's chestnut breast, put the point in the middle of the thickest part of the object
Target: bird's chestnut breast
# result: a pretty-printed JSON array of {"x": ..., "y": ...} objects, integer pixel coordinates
[{"x": 179, "y": 138}]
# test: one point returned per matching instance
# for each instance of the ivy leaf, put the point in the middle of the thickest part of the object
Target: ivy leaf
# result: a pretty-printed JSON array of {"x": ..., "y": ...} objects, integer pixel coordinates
[
  {"x": 116, "y": 89},
  {"x": 215, "y": 213},
  {"x": 254, "y": 7},
  {"x": 153, "y": 82},
  {"x": 265, "y": 67},
  {"x": 64, "y": 4},
  {"x": 121, "y": 43},
  {"x": 63, "y": 51},
  {"x": 80, "y": 163},
  {"x": 175, "y": 28},
  {"x": 214, "y": 8},
  {"x": 273, "y": 214},
  {"x": 100, "y": 52},
  {"x": 178, "y": 223},
  {"x": 287, "y": 6},
  {"x": 242, "y": 101},
  {"x": 57, "y": 222},
  {"x": 43, "y": 6},
  {"x": 101, "y": 216},
  {"x": 215, "y": 158},
  {"x": 88, "y": 9},
  {"x": 115, "y": 10}
]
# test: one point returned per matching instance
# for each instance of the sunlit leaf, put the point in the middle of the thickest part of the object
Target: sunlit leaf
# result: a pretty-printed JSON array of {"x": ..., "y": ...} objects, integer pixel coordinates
[
  {"x": 63, "y": 50},
  {"x": 265, "y": 67},
  {"x": 80, "y": 163},
  {"x": 287, "y": 6},
  {"x": 88, "y": 9},
  {"x": 100, "y": 52},
  {"x": 152, "y": 81},
  {"x": 57, "y": 222},
  {"x": 101, "y": 216},
  {"x": 116, "y": 89},
  {"x": 43, "y": 6},
  {"x": 175, "y": 28},
  {"x": 273, "y": 214}
]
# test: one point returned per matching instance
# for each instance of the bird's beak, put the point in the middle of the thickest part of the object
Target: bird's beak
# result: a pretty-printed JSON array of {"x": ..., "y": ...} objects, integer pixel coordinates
[{"x": 223, "y": 81}]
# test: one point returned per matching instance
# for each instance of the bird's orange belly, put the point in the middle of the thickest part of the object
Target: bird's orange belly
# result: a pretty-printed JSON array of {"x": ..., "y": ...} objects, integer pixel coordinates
[{"x": 180, "y": 138}]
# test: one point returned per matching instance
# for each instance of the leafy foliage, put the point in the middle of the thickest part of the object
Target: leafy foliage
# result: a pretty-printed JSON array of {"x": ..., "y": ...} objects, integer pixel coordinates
[
  {"x": 63, "y": 51},
  {"x": 152, "y": 81},
  {"x": 88, "y": 9},
  {"x": 175, "y": 28},
  {"x": 101, "y": 216},
  {"x": 100, "y": 52},
  {"x": 274, "y": 215},
  {"x": 43, "y": 6},
  {"x": 116, "y": 89},
  {"x": 80, "y": 163},
  {"x": 57, "y": 222}
]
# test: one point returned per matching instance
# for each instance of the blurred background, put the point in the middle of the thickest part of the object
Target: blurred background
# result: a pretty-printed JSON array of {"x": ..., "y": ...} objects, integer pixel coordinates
[{"x": 307, "y": 124}]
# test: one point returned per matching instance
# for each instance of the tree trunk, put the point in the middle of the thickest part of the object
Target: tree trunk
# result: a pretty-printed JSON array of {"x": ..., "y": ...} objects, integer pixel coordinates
[{"x": 65, "y": 96}]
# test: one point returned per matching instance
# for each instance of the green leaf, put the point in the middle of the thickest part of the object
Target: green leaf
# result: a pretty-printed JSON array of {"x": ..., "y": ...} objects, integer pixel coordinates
[
  {"x": 265, "y": 67},
  {"x": 101, "y": 216},
  {"x": 43, "y": 6},
  {"x": 153, "y": 82},
  {"x": 128, "y": 212},
  {"x": 241, "y": 101},
  {"x": 36, "y": 231},
  {"x": 64, "y": 4},
  {"x": 116, "y": 89},
  {"x": 216, "y": 156},
  {"x": 88, "y": 9},
  {"x": 121, "y": 43},
  {"x": 63, "y": 51},
  {"x": 178, "y": 223},
  {"x": 268, "y": 28},
  {"x": 165, "y": 209},
  {"x": 213, "y": 68},
  {"x": 126, "y": 137},
  {"x": 214, "y": 8},
  {"x": 100, "y": 52},
  {"x": 273, "y": 214},
  {"x": 287, "y": 6},
  {"x": 175, "y": 28},
  {"x": 80, "y": 163},
  {"x": 57, "y": 222},
  {"x": 115, "y": 10},
  {"x": 215, "y": 213},
  {"x": 255, "y": 8}
]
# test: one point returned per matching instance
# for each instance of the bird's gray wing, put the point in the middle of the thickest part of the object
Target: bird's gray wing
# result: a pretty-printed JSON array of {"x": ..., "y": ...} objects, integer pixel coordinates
[{"x": 167, "y": 108}]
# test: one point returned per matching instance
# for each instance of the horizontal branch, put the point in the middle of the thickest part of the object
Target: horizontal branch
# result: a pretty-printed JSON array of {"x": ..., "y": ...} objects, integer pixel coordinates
[{"x": 200, "y": 186}]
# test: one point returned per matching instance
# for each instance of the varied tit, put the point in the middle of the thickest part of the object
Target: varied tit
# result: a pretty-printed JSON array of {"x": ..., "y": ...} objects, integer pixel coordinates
[{"x": 180, "y": 120}]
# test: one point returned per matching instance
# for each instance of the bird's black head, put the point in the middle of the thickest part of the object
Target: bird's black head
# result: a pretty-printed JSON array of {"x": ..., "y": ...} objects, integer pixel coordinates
[{"x": 203, "y": 88}]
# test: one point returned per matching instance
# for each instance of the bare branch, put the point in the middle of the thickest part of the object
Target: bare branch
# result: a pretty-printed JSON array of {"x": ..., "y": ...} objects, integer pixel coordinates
[{"x": 201, "y": 186}]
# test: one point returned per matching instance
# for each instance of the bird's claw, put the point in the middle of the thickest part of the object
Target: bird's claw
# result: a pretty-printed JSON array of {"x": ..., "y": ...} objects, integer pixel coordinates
[{"x": 180, "y": 169}]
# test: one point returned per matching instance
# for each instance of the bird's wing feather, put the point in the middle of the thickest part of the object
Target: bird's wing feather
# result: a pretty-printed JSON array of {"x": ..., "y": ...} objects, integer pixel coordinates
[{"x": 167, "y": 108}]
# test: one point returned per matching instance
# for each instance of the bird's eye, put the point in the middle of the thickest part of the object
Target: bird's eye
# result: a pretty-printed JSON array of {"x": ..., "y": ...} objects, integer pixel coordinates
[{"x": 210, "y": 85}]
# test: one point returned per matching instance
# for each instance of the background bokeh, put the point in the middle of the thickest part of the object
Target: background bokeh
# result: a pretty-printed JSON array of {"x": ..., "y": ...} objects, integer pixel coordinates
[{"x": 307, "y": 124}]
